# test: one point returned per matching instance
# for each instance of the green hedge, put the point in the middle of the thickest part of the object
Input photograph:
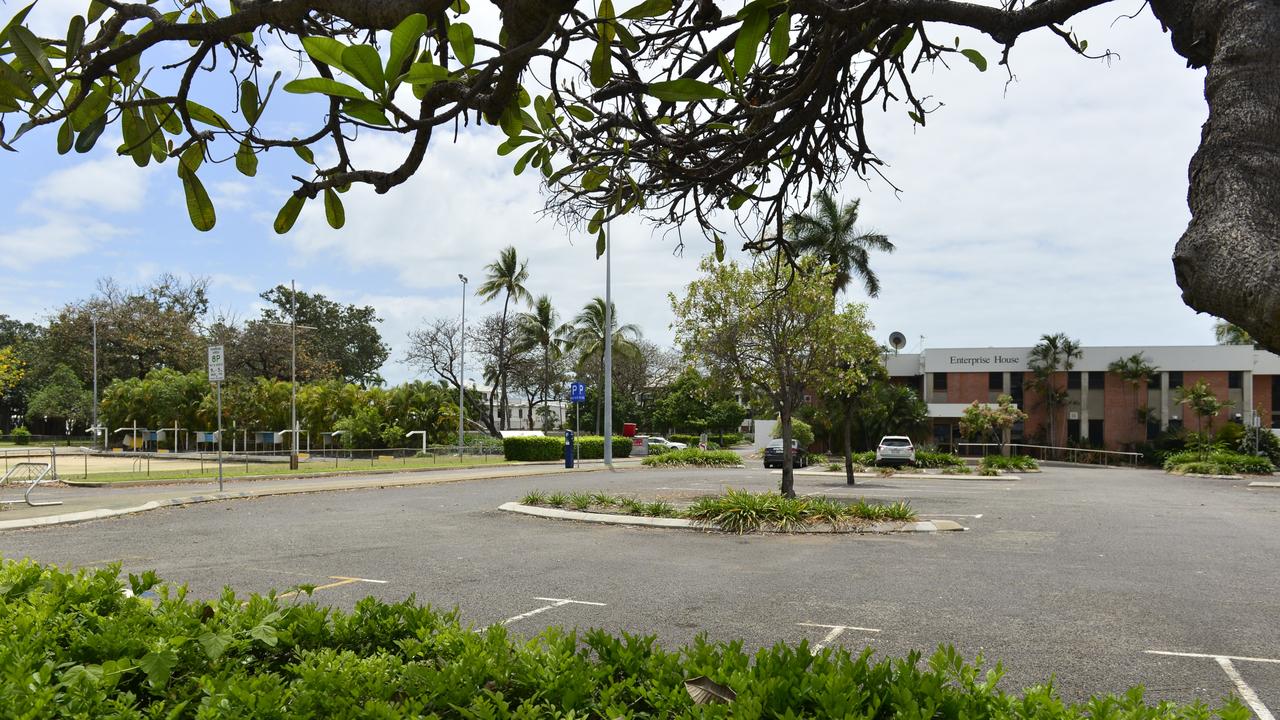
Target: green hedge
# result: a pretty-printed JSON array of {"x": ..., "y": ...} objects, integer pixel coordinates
[
  {"x": 21, "y": 436},
  {"x": 77, "y": 647},
  {"x": 1011, "y": 462},
  {"x": 1218, "y": 462},
  {"x": 591, "y": 447},
  {"x": 533, "y": 448},
  {"x": 926, "y": 459},
  {"x": 712, "y": 437}
]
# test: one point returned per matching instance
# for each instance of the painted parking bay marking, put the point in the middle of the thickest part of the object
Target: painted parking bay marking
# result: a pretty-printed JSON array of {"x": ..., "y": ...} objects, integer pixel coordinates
[
  {"x": 555, "y": 603},
  {"x": 339, "y": 582},
  {"x": 1224, "y": 661},
  {"x": 835, "y": 632}
]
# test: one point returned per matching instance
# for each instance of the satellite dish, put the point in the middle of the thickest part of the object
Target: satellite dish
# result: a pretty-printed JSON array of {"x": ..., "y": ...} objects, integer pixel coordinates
[{"x": 897, "y": 340}]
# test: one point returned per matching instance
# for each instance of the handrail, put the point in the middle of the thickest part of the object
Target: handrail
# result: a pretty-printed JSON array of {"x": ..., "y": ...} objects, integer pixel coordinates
[
  {"x": 1133, "y": 457},
  {"x": 26, "y": 496}
]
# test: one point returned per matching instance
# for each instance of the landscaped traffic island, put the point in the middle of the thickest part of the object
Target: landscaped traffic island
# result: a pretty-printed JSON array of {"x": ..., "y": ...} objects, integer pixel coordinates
[
  {"x": 736, "y": 511},
  {"x": 79, "y": 647}
]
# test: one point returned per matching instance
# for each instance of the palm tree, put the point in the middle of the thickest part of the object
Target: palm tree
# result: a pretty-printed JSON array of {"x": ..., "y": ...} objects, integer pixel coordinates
[
  {"x": 1054, "y": 353},
  {"x": 504, "y": 277},
  {"x": 586, "y": 335},
  {"x": 1135, "y": 370},
  {"x": 829, "y": 233},
  {"x": 541, "y": 329},
  {"x": 1227, "y": 334}
]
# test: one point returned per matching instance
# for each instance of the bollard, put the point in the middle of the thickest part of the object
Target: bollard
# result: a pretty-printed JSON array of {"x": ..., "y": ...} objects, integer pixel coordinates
[{"x": 568, "y": 449}]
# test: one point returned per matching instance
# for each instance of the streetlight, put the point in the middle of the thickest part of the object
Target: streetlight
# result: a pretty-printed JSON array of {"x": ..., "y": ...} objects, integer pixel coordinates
[
  {"x": 462, "y": 366},
  {"x": 293, "y": 373},
  {"x": 608, "y": 347},
  {"x": 94, "y": 318}
]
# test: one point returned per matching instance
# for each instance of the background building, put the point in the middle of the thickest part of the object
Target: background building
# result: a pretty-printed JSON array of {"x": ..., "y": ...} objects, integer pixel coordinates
[{"x": 1102, "y": 409}]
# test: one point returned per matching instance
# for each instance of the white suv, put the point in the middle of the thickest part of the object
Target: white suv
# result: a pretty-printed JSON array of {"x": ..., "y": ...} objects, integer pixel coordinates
[
  {"x": 659, "y": 441},
  {"x": 895, "y": 449}
]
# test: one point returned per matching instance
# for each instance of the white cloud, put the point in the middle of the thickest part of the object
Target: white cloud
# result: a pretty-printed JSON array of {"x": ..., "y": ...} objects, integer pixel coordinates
[
  {"x": 55, "y": 239},
  {"x": 107, "y": 184}
]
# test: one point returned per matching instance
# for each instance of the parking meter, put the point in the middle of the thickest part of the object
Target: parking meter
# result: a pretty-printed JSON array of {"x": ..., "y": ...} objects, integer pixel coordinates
[{"x": 568, "y": 449}]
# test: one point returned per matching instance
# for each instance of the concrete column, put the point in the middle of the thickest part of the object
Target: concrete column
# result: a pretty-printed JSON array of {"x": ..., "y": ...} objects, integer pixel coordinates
[
  {"x": 928, "y": 387},
  {"x": 1246, "y": 412},
  {"x": 1007, "y": 384},
  {"x": 1164, "y": 401},
  {"x": 1084, "y": 406}
]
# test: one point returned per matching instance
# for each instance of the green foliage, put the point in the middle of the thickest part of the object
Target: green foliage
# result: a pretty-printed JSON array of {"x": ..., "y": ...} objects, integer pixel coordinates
[
  {"x": 534, "y": 497},
  {"x": 532, "y": 448},
  {"x": 1217, "y": 462},
  {"x": 982, "y": 421},
  {"x": 81, "y": 648},
  {"x": 591, "y": 447},
  {"x": 694, "y": 457},
  {"x": 557, "y": 499},
  {"x": 926, "y": 459},
  {"x": 21, "y": 435},
  {"x": 866, "y": 458},
  {"x": 581, "y": 500},
  {"x": 801, "y": 432},
  {"x": 740, "y": 511},
  {"x": 1010, "y": 462}
]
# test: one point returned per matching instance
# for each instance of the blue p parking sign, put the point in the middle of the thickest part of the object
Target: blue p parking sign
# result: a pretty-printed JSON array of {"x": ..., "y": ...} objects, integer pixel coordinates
[{"x": 577, "y": 392}]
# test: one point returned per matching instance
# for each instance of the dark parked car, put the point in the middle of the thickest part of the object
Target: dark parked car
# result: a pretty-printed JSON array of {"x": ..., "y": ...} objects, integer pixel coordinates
[{"x": 773, "y": 454}]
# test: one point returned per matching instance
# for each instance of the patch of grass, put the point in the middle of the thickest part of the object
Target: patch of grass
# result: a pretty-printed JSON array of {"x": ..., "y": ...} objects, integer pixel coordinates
[
  {"x": 557, "y": 499},
  {"x": 1217, "y": 462},
  {"x": 534, "y": 497},
  {"x": 632, "y": 505},
  {"x": 1012, "y": 462},
  {"x": 834, "y": 467},
  {"x": 605, "y": 500},
  {"x": 658, "y": 508},
  {"x": 740, "y": 511},
  {"x": 926, "y": 459},
  {"x": 580, "y": 500}
]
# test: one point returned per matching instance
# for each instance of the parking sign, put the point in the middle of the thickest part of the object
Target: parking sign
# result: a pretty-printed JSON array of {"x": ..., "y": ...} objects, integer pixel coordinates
[
  {"x": 217, "y": 364},
  {"x": 577, "y": 392}
]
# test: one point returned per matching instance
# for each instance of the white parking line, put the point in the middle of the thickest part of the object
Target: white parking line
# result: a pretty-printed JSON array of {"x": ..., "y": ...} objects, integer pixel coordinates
[
  {"x": 1224, "y": 661},
  {"x": 836, "y": 631},
  {"x": 555, "y": 603}
]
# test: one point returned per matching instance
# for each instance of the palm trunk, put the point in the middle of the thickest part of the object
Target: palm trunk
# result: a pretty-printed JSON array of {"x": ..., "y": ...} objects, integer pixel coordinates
[{"x": 502, "y": 363}]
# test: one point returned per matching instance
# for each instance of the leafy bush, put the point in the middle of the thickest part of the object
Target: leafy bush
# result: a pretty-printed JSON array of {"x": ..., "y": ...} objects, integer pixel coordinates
[
  {"x": 865, "y": 459},
  {"x": 926, "y": 459},
  {"x": 21, "y": 435},
  {"x": 534, "y": 497},
  {"x": 557, "y": 499},
  {"x": 533, "y": 448},
  {"x": 591, "y": 447},
  {"x": 694, "y": 457},
  {"x": 580, "y": 500},
  {"x": 87, "y": 650},
  {"x": 1010, "y": 462},
  {"x": 741, "y": 511},
  {"x": 1219, "y": 462},
  {"x": 713, "y": 438},
  {"x": 801, "y": 431}
]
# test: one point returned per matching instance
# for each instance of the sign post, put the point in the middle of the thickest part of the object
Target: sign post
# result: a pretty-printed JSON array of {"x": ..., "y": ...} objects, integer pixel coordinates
[
  {"x": 218, "y": 373},
  {"x": 577, "y": 396}
]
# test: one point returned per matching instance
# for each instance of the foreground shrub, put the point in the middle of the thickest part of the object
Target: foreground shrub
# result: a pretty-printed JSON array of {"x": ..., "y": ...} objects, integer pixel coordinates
[
  {"x": 694, "y": 457},
  {"x": 21, "y": 435},
  {"x": 1011, "y": 462},
  {"x": 926, "y": 459},
  {"x": 591, "y": 447},
  {"x": 80, "y": 648}
]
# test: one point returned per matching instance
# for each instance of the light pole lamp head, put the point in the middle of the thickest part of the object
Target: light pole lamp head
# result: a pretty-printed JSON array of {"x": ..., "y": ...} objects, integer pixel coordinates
[{"x": 463, "y": 278}]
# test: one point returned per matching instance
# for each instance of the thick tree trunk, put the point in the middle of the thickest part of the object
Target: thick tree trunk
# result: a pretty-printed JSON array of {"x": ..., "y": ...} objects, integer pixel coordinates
[
  {"x": 788, "y": 488},
  {"x": 1228, "y": 261},
  {"x": 848, "y": 444}
]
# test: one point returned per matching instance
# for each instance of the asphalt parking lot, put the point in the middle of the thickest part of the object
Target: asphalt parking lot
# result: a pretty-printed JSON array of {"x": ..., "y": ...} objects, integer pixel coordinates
[{"x": 1079, "y": 576}]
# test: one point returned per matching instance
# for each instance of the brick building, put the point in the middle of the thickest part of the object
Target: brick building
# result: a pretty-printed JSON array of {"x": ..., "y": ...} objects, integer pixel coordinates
[{"x": 1102, "y": 410}]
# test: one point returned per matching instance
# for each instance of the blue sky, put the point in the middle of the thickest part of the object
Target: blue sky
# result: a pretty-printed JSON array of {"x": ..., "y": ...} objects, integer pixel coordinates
[{"x": 1048, "y": 204}]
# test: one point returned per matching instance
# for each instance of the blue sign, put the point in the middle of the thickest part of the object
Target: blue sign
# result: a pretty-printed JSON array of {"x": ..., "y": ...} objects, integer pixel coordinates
[{"x": 577, "y": 392}]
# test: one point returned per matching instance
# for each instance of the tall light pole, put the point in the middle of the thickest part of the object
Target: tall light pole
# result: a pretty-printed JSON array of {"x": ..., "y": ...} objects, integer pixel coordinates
[
  {"x": 95, "y": 383},
  {"x": 608, "y": 347},
  {"x": 462, "y": 366},
  {"x": 293, "y": 375}
]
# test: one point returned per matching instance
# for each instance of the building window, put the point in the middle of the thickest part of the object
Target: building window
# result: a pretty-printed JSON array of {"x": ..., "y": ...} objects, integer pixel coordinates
[
  {"x": 1153, "y": 381},
  {"x": 940, "y": 382},
  {"x": 1175, "y": 378},
  {"x": 1073, "y": 431},
  {"x": 1073, "y": 380},
  {"x": 1015, "y": 388},
  {"x": 995, "y": 381},
  {"x": 1095, "y": 432},
  {"x": 1235, "y": 380},
  {"x": 1097, "y": 381}
]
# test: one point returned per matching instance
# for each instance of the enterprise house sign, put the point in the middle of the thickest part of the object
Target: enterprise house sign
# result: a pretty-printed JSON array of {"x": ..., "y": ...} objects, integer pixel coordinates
[{"x": 937, "y": 360}]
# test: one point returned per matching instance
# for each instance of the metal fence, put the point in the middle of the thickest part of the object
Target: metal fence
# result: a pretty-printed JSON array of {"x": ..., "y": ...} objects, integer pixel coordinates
[
  {"x": 85, "y": 463},
  {"x": 1052, "y": 453}
]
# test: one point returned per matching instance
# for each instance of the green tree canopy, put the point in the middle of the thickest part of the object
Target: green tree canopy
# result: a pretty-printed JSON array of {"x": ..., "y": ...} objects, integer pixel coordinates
[
  {"x": 62, "y": 396},
  {"x": 673, "y": 109},
  {"x": 345, "y": 335}
]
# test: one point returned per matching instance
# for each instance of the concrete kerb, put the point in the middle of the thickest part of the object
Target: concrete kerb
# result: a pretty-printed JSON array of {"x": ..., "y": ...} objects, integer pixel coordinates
[
  {"x": 607, "y": 519},
  {"x": 102, "y": 513},
  {"x": 1264, "y": 484}
]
